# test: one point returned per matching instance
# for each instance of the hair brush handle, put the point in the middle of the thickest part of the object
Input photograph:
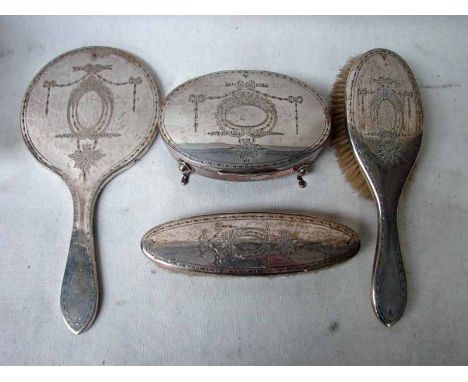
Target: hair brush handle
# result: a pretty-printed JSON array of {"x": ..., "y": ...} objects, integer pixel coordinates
[{"x": 388, "y": 279}]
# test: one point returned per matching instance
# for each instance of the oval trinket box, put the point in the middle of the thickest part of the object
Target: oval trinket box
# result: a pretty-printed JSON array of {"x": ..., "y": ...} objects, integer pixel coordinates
[
  {"x": 250, "y": 243},
  {"x": 244, "y": 125}
]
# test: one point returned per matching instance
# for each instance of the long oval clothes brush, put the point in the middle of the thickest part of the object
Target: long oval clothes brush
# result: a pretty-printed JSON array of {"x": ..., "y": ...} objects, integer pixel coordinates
[{"x": 377, "y": 124}]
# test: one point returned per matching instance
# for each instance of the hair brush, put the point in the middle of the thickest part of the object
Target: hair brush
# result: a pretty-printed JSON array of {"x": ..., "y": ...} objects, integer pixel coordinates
[{"x": 377, "y": 123}]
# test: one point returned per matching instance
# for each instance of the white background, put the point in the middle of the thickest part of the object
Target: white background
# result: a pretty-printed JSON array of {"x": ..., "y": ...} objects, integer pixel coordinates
[{"x": 153, "y": 316}]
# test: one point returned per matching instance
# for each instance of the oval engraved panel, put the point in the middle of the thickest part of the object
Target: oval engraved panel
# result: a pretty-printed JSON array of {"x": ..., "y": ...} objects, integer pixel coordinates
[
  {"x": 90, "y": 112},
  {"x": 247, "y": 116},
  {"x": 244, "y": 122},
  {"x": 92, "y": 116},
  {"x": 385, "y": 106},
  {"x": 250, "y": 243}
]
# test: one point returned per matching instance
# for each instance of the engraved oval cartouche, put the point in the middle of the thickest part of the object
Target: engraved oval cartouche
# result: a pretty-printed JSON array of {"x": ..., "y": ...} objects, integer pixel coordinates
[
  {"x": 250, "y": 243},
  {"x": 244, "y": 125}
]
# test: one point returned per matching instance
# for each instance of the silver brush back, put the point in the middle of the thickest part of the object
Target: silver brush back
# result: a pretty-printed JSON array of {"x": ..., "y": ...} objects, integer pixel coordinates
[{"x": 385, "y": 122}]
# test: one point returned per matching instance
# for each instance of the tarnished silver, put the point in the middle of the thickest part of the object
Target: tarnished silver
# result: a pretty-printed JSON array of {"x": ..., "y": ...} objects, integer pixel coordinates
[
  {"x": 244, "y": 125},
  {"x": 250, "y": 243},
  {"x": 87, "y": 115},
  {"x": 385, "y": 123}
]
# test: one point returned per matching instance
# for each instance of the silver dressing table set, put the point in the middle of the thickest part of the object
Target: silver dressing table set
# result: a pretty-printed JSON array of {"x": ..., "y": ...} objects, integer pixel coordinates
[{"x": 93, "y": 112}]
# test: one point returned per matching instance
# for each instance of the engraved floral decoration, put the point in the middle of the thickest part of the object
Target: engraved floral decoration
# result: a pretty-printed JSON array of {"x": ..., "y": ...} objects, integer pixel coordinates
[
  {"x": 86, "y": 157},
  {"x": 88, "y": 134},
  {"x": 231, "y": 243},
  {"x": 286, "y": 243},
  {"x": 387, "y": 132},
  {"x": 245, "y": 93},
  {"x": 248, "y": 149},
  {"x": 389, "y": 152}
]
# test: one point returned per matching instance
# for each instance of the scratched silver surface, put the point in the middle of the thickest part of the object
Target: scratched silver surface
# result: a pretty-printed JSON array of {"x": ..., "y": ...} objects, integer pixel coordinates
[
  {"x": 250, "y": 243},
  {"x": 87, "y": 115},
  {"x": 244, "y": 125},
  {"x": 385, "y": 123}
]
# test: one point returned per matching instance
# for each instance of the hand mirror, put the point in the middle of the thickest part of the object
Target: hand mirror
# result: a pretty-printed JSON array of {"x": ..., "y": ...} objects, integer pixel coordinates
[{"x": 87, "y": 115}]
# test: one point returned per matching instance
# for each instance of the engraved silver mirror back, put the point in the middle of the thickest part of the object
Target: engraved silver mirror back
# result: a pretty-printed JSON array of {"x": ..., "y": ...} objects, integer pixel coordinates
[{"x": 87, "y": 115}]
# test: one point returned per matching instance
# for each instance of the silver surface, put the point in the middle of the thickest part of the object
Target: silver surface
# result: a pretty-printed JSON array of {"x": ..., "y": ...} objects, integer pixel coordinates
[
  {"x": 250, "y": 243},
  {"x": 385, "y": 123},
  {"x": 88, "y": 115},
  {"x": 244, "y": 125},
  {"x": 316, "y": 319}
]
